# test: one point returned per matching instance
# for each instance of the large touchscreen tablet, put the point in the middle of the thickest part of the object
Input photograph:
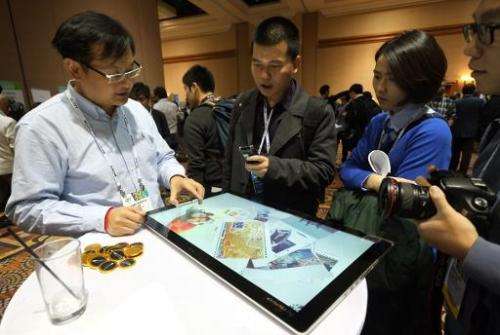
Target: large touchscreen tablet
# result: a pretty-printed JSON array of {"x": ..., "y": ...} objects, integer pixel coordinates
[{"x": 292, "y": 266}]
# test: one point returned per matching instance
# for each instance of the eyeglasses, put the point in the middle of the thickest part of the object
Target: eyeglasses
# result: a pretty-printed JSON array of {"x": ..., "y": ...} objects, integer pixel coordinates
[
  {"x": 118, "y": 77},
  {"x": 485, "y": 32}
]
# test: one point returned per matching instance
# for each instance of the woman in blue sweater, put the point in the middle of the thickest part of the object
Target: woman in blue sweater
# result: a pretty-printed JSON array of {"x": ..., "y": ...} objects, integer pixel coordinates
[{"x": 408, "y": 73}]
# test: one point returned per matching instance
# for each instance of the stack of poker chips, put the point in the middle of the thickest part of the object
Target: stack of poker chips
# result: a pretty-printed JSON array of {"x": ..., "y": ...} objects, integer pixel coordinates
[{"x": 108, "y": 258}]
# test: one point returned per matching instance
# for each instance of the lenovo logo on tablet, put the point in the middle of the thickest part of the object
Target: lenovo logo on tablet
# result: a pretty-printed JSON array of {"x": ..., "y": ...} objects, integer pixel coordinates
[{"x": 279, "y": 305}]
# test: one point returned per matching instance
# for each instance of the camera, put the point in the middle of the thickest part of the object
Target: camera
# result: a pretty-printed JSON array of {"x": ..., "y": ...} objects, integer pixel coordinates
[{"x": 469, "y": 196}]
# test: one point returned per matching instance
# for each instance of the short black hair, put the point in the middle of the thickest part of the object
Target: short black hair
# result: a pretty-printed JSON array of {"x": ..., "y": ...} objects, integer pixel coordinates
[
  {"x": 200, "y": 75},
  {"x": 356, "y": 88},
  {"x": 139, "y": 89},
  {"x": 277, "y": 29},
  {"x": 367, "y": 95},
  {"x": 324, "y": 89},
  {"x": 160, "y": 92},
  {"x": 76, "y": 37},
  {"x": 469, "y": 89},
  {"x": 417, "y": 63}
]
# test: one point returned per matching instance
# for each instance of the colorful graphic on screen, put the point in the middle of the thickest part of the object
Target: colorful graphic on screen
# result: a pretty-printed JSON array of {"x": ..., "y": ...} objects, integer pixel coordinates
[{"x": 289, "y": 257}]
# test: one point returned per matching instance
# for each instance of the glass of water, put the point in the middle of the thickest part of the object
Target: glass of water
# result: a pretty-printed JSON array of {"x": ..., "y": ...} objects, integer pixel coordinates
[{"x": 65, "y": 297}]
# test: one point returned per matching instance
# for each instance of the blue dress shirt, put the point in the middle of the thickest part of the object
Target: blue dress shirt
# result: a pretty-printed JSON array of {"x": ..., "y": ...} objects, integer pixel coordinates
[{"x": 62, "y": 184}]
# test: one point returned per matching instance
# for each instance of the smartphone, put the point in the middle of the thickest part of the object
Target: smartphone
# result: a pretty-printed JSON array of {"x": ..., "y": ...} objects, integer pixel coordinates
[{"x": 247, "y": 151}]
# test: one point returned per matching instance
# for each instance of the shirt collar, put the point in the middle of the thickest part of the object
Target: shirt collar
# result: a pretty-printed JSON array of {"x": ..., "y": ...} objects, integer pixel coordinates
[
  {"x": 86, "y": 106},
  {"x": 401, "y": 119}
]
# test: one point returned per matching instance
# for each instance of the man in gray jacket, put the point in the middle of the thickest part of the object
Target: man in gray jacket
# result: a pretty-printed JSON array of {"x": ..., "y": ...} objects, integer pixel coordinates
[
  {"x": 479, "y": 256},
  {"x": 293, "y": 134}
]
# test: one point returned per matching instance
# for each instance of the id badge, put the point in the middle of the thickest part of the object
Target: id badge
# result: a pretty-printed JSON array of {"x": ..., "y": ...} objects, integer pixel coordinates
[
  {"x": 139, "y": 199},
  {"x": 258, "y": 184},
  {"x": 454, "y": 287}
]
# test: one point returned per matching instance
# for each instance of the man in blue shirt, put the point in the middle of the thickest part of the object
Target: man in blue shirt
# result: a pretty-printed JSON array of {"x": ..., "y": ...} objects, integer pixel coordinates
[{"x": 90, "y": 158}]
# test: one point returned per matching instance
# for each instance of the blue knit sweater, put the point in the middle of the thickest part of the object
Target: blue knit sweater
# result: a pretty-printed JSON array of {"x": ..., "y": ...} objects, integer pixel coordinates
[{"x": 426, "y": 143}]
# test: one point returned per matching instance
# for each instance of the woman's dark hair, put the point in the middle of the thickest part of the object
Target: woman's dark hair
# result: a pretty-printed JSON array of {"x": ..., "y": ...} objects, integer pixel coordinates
[
  {"x": 417, "y": 63},
  {"x": 200, "y": 75},
  {"x": 275, "y": 29},
  {"x": 76, "y": 37}
]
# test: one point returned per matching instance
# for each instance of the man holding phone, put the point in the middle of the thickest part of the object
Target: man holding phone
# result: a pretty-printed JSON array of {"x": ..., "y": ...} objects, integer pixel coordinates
[{"x": 282, "y": 142}]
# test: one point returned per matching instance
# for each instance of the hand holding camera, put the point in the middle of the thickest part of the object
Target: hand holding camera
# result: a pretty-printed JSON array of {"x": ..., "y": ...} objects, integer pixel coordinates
[
  {"x": 448, "y": 230},
  {"x": 447, "y": 208},
  {"x": 470, "y": 196}
]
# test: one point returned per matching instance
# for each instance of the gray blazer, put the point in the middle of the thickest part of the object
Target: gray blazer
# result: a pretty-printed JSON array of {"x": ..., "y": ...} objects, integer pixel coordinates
[{"x": 298, "y": 171}]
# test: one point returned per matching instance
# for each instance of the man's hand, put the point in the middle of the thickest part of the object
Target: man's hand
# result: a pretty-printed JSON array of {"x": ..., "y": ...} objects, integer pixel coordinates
[
  {"x": 448, "y": 230},
  {"x": 180, "y": 183},
  {"x": 124, "y": 221},
  {"x": 259, "y": 165}
]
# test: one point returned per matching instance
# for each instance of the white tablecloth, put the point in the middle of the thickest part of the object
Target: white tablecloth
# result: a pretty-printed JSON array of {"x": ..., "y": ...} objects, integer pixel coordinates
[{"x": 165, "y": 292}]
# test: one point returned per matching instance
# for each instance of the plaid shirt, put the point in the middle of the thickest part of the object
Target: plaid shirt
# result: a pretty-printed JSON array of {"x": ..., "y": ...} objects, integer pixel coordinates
[{"x": 444, "y": 106}]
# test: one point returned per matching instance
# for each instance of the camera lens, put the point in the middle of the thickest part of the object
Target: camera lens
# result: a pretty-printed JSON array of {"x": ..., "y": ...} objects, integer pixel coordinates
[{"x": 405, "y": 200}]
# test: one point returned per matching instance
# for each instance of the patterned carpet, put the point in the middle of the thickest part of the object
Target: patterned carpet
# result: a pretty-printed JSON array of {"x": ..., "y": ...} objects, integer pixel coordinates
[{"x": 15, "y": 263}]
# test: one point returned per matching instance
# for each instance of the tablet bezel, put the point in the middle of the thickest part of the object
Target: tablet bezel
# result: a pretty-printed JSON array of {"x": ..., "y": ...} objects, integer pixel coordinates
[{"x": 312, "y": 312}]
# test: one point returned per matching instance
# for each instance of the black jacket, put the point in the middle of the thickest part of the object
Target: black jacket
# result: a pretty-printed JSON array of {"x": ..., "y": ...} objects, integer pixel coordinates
[
  {"x": 203, "y": 148},
  {"x": 161, "y": 124},
  {"x": 357, "y": 118},
  {"x": 468, "y": 111},
  {"x": 301, "y": 157}
]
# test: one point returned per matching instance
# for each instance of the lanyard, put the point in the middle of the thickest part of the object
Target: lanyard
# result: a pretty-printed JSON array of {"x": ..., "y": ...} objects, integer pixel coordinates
[
  {"x": 101, "y": 149},
  {"x": 265, "y": 135}
]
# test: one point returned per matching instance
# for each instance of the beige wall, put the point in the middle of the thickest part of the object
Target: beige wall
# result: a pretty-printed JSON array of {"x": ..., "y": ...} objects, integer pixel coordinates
[
  {"x": 224, "y": 69},
  {"x": 339, "y": 66},
  {"x": 200, "y": 45},
  {"x": 36, "y": 22},
  {"x": 342, "y": 66}
]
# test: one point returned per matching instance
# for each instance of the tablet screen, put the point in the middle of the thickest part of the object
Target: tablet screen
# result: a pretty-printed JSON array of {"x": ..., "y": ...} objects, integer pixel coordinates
[{"x": 289, "y": 257}]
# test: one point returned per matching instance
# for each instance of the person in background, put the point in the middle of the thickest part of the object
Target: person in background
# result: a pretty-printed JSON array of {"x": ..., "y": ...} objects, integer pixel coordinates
[
  {"x": 170, "y": 110},
  {"x": 357, "y": 116},
  {"x": 465, "y": 126},
  {"x": 442, "y": 104},
  {"x": 7, "y": 126},
  {"x": 90, "y": 158},
  {"x": 324, "y": 92},
  {"x": 140, "y": 92},
  {"x": 372, "y": 107},
  {"x": 201, "y": 139}
]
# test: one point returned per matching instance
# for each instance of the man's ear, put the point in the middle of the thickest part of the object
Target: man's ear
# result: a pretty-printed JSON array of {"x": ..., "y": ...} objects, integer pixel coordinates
[
  {"x": 74, "y": 68},
  {"x": 296, "y": 64},
  {"x": 195, "y": 89}
]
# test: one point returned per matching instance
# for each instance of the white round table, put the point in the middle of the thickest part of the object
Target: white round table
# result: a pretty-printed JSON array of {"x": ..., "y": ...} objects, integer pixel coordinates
[{"x": 164, "y": 292}]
